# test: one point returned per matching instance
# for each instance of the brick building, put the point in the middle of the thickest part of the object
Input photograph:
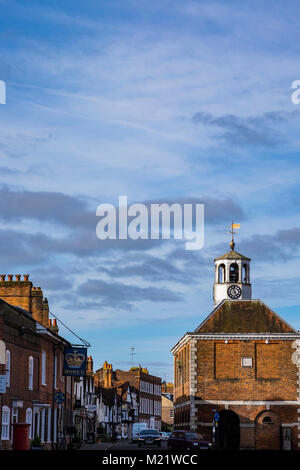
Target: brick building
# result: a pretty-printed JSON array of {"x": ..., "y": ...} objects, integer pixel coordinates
[
  {"x": 148, "y": 389},
  {"x": 237, "y": 374},
  {"x": 34, "y": 365}
]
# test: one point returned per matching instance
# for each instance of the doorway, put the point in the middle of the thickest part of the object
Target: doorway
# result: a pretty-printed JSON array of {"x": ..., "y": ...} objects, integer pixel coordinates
[{"x": 229, "y": 430}]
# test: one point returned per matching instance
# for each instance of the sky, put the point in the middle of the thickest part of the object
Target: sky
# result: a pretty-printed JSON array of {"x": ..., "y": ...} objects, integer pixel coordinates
[{"x": 176, "y": 101}]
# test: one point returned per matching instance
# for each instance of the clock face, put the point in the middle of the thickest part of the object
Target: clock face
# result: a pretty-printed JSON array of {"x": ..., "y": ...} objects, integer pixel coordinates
[{"x": 234, "y": 291}]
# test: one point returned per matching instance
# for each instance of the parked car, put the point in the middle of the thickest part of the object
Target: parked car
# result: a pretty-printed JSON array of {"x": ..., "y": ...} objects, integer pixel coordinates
[
  {"x": 164, "y": 435},
  {"x": 149, "y": 436},
  {"x": 187, "y": 440},
  {"x": 136, "y": 429}
]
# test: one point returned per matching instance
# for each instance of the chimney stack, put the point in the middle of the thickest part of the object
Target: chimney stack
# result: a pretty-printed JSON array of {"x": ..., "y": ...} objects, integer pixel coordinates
[
  {"x": 107, "y": 374},
  {"x": 89, "y": 365}
]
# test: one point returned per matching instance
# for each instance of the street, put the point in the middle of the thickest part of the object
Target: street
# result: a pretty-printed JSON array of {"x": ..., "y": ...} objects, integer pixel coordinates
[{"x": 122, "y": 445}]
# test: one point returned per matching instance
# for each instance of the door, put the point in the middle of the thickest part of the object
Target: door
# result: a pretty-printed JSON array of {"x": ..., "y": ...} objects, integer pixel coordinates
[
  {"x": 286, "y": 438},
  {"x": 228, "y": 430}
]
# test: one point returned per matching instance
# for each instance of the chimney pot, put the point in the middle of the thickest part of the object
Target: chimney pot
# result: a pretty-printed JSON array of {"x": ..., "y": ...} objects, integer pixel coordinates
[
  {"x": 18, "y": 277},
  {"x": 2, "y": 276},
  {"x": 9, "y": 277},
  {"x": 49, "y": 322},
  {"x": 26, "y": 276}
]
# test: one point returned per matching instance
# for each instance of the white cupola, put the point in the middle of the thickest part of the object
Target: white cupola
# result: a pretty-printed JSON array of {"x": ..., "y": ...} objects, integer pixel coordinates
[{"x": 232, "y": 276}]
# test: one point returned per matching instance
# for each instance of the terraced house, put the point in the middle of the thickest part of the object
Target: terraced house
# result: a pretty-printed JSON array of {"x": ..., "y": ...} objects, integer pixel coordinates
[
  {"x": 32, "y": 365},
  {"x": 237, "y": 373}
]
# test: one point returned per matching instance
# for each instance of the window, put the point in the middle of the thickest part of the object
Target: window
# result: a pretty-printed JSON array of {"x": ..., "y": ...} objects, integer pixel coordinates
[
  {"x": 7, "y": 368},
  {"x": 29, "y": 421},
  {"x": 267, "y": 420},
  {"x": 5, "y": 423},
  {"x": 44, "y": 368},
  {"x": 30, "y": 373}
]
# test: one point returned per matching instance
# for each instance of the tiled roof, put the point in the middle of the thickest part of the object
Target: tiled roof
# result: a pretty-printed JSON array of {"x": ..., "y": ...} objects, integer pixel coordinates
[
  {"x": 243, "y": 316},
  {"x": 232, "y": 255}
]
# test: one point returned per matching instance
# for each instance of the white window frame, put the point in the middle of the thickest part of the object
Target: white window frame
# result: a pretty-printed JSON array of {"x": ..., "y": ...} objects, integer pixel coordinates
[
  {"x": 30, "y": 372},
  {"x": 5, "y": 425},
  {"x": 44, "y": 360}
]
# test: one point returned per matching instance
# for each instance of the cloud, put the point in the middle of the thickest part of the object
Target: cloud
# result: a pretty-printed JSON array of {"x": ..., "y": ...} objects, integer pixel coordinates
[
  {"x": 115, "y": 294},
  {"x": 247, "y": 131},
  {"x": 280, "y": 246},
  {"x": 46, "y": 206}
]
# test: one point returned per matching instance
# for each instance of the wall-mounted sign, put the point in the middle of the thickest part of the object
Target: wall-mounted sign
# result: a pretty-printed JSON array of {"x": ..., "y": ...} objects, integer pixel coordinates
[
  {"x": 246, "y": 361},
  {"x": 92, "y": 408},
  {"x": 59, "y": 397},
  {"x": 75, "y": 362}
]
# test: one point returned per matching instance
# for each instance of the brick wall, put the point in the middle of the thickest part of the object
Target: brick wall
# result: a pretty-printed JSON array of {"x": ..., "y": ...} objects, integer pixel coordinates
[
  {"x": 22, "y": 344},
  {"x": 220, "y": 375},
  {"x": 21, "y": 293}
]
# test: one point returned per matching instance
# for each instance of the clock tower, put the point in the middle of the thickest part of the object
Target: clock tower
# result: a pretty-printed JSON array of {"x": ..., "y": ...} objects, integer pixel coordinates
[{"x": 232, "y": 275}]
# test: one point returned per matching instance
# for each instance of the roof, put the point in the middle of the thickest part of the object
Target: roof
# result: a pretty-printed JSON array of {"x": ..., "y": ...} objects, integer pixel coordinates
[
  {"x": 232, "y": 254},
  {"x": 243, "y": 316}
]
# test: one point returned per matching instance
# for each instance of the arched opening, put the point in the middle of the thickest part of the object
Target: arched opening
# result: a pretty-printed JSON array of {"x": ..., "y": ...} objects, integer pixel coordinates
[
  {"x": 221, "y": 274},
  {"x": 229, "y": 430},
  {"x": 267, "y": 419},
  {"x": 267, "y": 431},
  {"x": 245, "y": 274},
  {"x": 233, "y": 272}
]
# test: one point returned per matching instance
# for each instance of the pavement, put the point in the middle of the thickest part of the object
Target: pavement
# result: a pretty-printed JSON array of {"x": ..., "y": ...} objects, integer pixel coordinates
[
  {"x": 98, "y": 446},
  {"x": 120, "y": 445}
]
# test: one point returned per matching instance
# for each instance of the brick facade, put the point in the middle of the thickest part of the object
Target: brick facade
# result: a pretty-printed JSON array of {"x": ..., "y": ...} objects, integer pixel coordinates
[
  {"x": 34, "y": 353},
  {"x": 249, "y": 378},
  {"x": 148, "y": 387}
]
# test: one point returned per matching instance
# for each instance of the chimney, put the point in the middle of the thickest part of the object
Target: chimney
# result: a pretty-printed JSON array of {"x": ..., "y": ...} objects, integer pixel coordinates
[
  {"x": 52, "y": 326},
  {"x": 45, "y": 312},
  {"x": 37, "y": 305},
  {"x": 107, "y": 374},
  {"x": 89, "y": 366},
  {"x": 15, "y": 291}
]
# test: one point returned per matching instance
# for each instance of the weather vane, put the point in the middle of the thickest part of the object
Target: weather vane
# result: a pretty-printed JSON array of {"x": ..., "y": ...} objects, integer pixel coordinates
[{"x": 232, "y": 232}]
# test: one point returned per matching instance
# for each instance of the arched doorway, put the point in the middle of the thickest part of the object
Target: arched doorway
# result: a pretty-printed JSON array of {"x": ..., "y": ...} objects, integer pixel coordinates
[
  {"x": 229, "y": 430},
  {"x": 267, "y": 431}
]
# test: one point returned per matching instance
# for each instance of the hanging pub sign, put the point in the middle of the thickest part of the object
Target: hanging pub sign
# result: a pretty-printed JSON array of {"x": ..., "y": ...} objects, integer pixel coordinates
[{"x": 75, "y": 362}]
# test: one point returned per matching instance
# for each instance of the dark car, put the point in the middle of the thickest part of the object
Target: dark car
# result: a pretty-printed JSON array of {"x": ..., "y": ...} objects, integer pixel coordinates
[
  {"x": 149, "y": 436},
  {"x": 187, "y": 440}
]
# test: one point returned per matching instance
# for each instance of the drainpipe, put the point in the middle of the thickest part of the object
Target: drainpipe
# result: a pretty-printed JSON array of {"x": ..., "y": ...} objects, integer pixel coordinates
[{"x": 53, "y": 403}]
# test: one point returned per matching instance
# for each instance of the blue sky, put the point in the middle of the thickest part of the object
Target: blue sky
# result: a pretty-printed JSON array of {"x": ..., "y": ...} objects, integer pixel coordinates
[{"x": 169, "y": 100}]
